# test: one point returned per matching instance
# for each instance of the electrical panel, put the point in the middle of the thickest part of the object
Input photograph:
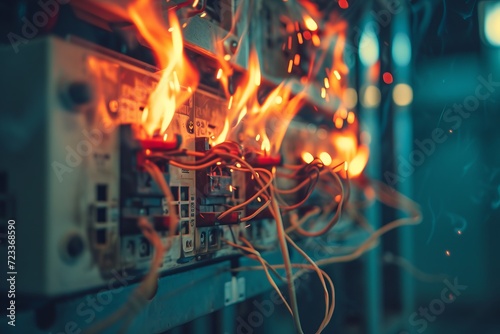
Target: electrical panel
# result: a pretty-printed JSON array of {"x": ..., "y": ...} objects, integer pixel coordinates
[
  {"x": 234, "y": 156},
  {"x": 81, "y": 150}
]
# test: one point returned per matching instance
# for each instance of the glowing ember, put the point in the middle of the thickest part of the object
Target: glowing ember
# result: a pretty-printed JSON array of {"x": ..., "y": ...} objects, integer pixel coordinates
[
  {"x": 325, "y": 158},
  {"x": 347, "y": 149},
  {"x": 310, "y": 23},
  {"x": 387, "y": 77},
  {"x": 343, "y": 4},
  {"x": 307, "y": 157}
]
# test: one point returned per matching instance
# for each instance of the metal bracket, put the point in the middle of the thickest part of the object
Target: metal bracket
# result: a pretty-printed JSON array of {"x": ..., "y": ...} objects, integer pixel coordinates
[{"x": 234, "y": 291}]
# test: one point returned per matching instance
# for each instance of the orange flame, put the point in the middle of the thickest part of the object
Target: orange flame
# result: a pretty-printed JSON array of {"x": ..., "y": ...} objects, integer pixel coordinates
[
  {"x": 345, "y": 140},
  {"x": 343, "y": 145},
  {"x": 178, "y": 77},
  {"x": 245, "y": 91},
  {"x": 258, "y": 125},
  {"x": 167, "y": 44},
  {"x": 347, "y": 149}
]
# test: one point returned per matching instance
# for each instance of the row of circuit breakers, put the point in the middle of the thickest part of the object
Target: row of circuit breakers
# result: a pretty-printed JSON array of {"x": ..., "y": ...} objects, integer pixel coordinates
[{"x": 73, "y": 181}]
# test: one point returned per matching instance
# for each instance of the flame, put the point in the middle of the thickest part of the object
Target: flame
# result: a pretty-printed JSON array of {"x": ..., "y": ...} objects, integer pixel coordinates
[
  {"x": 358, "y": 163},
  {"x": 178, "y": 77},
  {"x": 244, "y": 92},
  {"x": 260, "y": 125},
  {"x": 310, "y": 23},
  {"x": 266, "y": 145},
  {"x": 329, "y": 36},
  {"x": 325, "y": 158},
  {"x": 253, "y": 124},
  {"x": 345, "y": 140},
  {"x": 167, "y": 45},
  {"x": 345, "y": 147},
  {"x": 348, "y": 149},
  {"x": 339, "y": 71},
  {"x": 307, "y": 157}
]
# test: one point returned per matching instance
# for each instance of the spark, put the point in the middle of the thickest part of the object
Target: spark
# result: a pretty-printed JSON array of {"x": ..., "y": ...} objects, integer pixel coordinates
[
  {"x": 339, "y": 123},
  {"x": 296, "y": 59},
  {"x": 323, "y": 92},
  {"x": 299, "y": 38},
  {"x": 337, "y": 74},
  {"x": 307, "y": 157},
  {"x": 351, "y": 117},
  {"x": 343, "y": 4},
  {"x": 316, "y": 40},
  {"x": 387, "y": 77},
  {"x": 325, "y": 158},
  {"x": 310, "y": 23}
]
